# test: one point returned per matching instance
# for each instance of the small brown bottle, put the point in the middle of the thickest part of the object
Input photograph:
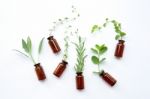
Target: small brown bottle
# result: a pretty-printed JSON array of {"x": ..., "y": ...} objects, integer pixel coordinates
[
  {"x": 53, "y": 44},
  {"x": 108, "y": 78},
  {"x": 39, "y": 72},
  {"x": 119, "y": 49},
  {"x": 79, "y": 81},
  {"x": 60, "y": 68}
]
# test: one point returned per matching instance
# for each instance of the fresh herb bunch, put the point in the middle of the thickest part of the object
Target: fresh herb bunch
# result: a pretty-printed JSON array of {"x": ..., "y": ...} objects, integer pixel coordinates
[
  {"x": 65, "y": 56},
  {"x": 27, "y": 46},
  {"x": 62, "y": 21},
  {"x": 98, "y": 51},
  {"x": 80, "y": 49},
  {"x": 98, "y": 27},
  {"x": 117, "y": 27}
]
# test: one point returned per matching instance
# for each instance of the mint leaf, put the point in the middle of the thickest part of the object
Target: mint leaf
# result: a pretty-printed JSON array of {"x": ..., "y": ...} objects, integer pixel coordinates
[
  {"x": 94, "y": 50},
  {"x": 95, "y": 60}
]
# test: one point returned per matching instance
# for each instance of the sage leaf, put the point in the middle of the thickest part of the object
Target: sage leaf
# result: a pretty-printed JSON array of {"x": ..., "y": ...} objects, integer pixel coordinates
[
  {"x": 21, "y": 52},
  {"x": 40, "y": 45},
  {"x": 24, "y": 46},
  {"x": 29, "y": 44}
]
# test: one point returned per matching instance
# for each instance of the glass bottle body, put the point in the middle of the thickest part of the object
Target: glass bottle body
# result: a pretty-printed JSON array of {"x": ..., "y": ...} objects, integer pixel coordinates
[
  {"x": 60, "y": 68},
  {"x": 79, "y": 81},
  {"x": 53, "y": 44},
  {"x": 40, "y": 72},
  {"x": 119, "y": 49},
  {"x": 108, "y": 78}
]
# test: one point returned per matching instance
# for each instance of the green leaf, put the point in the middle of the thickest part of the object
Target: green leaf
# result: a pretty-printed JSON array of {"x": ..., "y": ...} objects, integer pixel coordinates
[
  {"x": 21, "y": 52},
  {"x": 94, "y": 50},
  {"x": 122, "y": 34},
  {"x": 98, "y": 47},
  {"x": 102, "y": 60},
  {"x": 95, "y": 60},
  {"x": 104, "y": 25},
  {"x": 95, "y": 28},
  {"x": 29, "y": 44},
  {"x": 24, "y": 46},
  {"x": 103, "y": 49},
  {"x": 40, "y": 45},
  {"x": 117, "y": 37}
]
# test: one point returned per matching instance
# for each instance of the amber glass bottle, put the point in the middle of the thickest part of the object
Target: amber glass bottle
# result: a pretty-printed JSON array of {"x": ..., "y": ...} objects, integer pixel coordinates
[
  {"x": 79, "y": 81},
  {"x": 39, "y": 72},
  {"x": 53, "y": 44},
  {"x": 108, "y": 78},
  {"x": 60, "y": 68},
  {"x": 119, "y": 48}
]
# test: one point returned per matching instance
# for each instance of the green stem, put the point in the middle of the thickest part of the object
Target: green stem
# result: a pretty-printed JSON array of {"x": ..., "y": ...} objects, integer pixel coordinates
[
  {"x": 32, "y": 58},
  {"x": 121, "y": 38},
  {"x": 99, "y": 64}
]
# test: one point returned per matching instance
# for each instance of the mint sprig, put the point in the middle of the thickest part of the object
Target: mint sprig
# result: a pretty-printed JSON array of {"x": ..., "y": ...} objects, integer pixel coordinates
[{"x": 98, "y": 50}]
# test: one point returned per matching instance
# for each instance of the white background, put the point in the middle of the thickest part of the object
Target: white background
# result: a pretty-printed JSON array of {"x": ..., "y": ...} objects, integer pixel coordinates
[{"x": 20, "y": 18}]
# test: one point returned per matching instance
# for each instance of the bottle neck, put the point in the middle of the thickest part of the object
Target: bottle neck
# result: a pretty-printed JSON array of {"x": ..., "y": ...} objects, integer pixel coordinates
[
  {"x": 37, "y": 65},
  {"x": 79, "y": 73},
  {"x": 50, "y": 37},
  {"x": 121, "y": 41},
  {"x": 64, "y": 62},
  {"x": 102, "y": 73}
]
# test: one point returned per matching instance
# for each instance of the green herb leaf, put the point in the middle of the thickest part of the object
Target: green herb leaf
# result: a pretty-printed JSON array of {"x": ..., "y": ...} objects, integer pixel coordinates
[
  {"x": 21, "y": 52},
  {"x": 40, "y": 45},
  {"x": 80, "y": 49},
  {"x": 24, "y": 46},
  {"x": 95, "y": 60},
  {"x": 122, "y": 34},
  {"x": 29, "y": 44},
  {"x": 95, "y": 28},
  {"x": 117, "y": 37},
  {"x": 102, "y": 60},
  {"x": 94, "y": 50},
  {"x": 104, "y": 25},
  {"x": 98, "y": 47},
  {"x": 103, "y": 49}
]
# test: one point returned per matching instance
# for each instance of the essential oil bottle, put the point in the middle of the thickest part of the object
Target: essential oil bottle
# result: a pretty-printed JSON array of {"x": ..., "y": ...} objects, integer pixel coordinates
[
  {"x": 79, "y": 81},
  {"x": 108, "y": 78},
  {"x": 119, "y": 49},
  {"x": 60, "y": 68},
  {"x": 53, "y": 44},
  {"x": 39, "y": 72}
]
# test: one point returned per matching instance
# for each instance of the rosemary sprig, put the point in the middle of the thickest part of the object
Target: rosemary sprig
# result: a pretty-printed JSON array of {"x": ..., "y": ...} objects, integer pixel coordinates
[{"x": 80, "y": 49}]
